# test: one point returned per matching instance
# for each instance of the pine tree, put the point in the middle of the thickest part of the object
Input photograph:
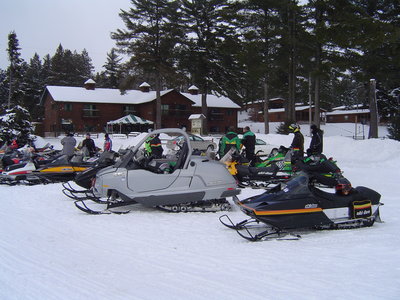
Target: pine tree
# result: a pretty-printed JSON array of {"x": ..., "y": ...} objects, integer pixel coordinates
[
  {"x": 15, "y": 123},
  {"x": 15, "y": 71},
  {"x": 84, "y": 67},
  {"x": 150, "y": 39},
  {"x": 112, "y": 73},
  {"x": 33, "y": 86},
  {"x": 3, "y": 88},
  {"x": 69, "y": 68},
  {"x": 202, "y": 52}
]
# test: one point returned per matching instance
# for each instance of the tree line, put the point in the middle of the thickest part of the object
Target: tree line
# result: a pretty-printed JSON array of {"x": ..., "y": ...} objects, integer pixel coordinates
[{"x": 326, "y": 50}]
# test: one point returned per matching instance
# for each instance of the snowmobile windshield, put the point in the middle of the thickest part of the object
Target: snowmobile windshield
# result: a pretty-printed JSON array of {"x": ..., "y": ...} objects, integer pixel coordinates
[
  {"x": 298, "y": 185},
  {"x": 63, "y": 159}
]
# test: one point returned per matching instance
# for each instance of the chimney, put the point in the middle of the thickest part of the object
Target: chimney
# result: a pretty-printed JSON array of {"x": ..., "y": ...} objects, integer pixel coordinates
[
  {"x": 193, "y": 90},
  {"x": 144, "y": 87},
  {"x": 89, "y": 84}
]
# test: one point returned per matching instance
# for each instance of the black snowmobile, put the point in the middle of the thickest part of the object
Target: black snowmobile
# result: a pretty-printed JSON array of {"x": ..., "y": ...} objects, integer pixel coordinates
[
  {"x": 85, "y": 178},
  {"x": 324, "y": 171},
  {"x": 301, "y": 205}
]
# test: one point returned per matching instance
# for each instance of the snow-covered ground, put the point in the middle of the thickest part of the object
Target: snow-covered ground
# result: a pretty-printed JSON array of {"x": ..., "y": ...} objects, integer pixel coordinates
[{"x": 51, "y": 250}]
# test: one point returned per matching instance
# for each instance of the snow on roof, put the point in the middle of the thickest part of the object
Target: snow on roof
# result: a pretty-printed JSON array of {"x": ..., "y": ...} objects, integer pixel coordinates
[
  {"x": 90, "y": 81},
  {"x": 343, "y": 107},
  {"x": 144, "y": 84},
  {"x": 196, "y": 116},
  {"x": 348, "y": 112},
  {"x": 99, "y": 95},
  {"x": 193, "y": 87},
  {"x": 297, "y": 108},
  {"x": 212, "y": 101}
]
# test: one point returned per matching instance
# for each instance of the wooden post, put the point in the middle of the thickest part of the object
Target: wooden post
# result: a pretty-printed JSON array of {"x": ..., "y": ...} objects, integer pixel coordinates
[
  {"x": 266, "y": 117},
  {"x": 373, "y": 110}
]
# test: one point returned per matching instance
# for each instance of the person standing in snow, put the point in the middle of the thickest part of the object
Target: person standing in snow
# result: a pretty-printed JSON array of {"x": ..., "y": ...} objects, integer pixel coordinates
[
  {"x": 316, "y": 144},
  {"x": 89, "y": 144},
  {"x": 249, "y": 143},
  {"x": 228, "y": 141},
  {"x": 68, "y": 143},
  {"x": 107, "y": 143},
  {"x": 297, "y": 145}
]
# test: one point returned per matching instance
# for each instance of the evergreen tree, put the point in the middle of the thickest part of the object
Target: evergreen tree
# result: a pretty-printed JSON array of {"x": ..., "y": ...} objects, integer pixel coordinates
[
  {"x": 3, "y": 87},
  {"x": 15, "y": 71},
  {"x": 33, "y": 86},
  {"x": 84, "y": 66},
  {"x": 202, "y": 54},
  {"x": 69, "y": 68},
  {"x": 150, "y": 39},
  {"x": 15, "y": 124},
  {"x": 112, "y": 73},
  {"x": 261, "y": 29}
]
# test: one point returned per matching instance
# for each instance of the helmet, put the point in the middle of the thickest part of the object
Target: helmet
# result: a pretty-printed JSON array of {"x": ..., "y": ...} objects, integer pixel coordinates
[
  {"x": 343, "y": 186},
  {"x": 294, "y": 127},
  {"x": 313, "y": 127}
]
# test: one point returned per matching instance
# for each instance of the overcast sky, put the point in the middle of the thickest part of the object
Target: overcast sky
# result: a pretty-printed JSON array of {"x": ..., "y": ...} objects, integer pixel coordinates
[{"x": 41, "y": 25}]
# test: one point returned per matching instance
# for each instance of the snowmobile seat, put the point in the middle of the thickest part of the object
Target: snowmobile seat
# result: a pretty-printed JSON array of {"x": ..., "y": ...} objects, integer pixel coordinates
[
  {"x": 183, "y": 153},
  {"x": 332, "y": 200}
]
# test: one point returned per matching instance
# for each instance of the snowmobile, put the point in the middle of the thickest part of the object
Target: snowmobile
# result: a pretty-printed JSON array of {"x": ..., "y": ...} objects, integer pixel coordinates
[
  {"x": 301, "y": 205},
  {"x": 51, "y": 170},
  {"x": 19, "y": 164},
  {"x": 84, "y": 179},
  {"x": 279, "y": 168},
  {"x": 176, "y": 183}
]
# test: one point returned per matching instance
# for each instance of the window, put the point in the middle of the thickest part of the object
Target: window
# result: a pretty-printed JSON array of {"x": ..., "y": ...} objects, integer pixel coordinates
[
  {"x": 180, "y": 107},
  {"x": 165, "y": 109},
  {"x": 128, "y": 109},
  {"x": 216, "y": 115},
  {"x": 68, "y": 106},
  {"x": 90, "y": 110}
]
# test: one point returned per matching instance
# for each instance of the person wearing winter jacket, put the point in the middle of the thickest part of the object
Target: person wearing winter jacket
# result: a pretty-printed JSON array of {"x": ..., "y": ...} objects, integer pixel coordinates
[
  {"x": 228, "y": 141},
  {"x": 249, "y": 143},
  {"x": 297, "y": 145},
  {"x": 68, "y": 143},
  {"x": 153, "y": 146},
  {"x": 89, "y": 144},
  {"x": 107, "y": 143},
  {"x": 316, "y": 145}
]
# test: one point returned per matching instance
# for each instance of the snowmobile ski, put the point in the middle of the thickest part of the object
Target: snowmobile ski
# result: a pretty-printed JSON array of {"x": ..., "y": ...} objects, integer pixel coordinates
[
  {"x": 80, "y": 204},
  {"x": 266, "y": 234}
]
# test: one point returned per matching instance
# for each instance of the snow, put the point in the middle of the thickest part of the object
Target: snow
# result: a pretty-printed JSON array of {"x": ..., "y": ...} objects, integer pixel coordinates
[
  {"x": 348, "y": 112},
  {"x": 212, "y": 101},
  {"x": 101, "y": 95},
  {"x": 51, "y": 250}
]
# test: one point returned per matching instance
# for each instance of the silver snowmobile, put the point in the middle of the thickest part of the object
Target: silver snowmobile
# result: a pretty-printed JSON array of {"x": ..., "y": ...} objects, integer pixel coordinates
[{"x": 178, "y": 182}]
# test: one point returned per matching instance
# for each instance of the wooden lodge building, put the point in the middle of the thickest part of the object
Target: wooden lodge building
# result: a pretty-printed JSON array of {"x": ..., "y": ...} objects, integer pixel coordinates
[
  {"x": 88, "y": 109},
  {"x": 353, "y": 114},
  {"x": 276, "y": 111}
]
